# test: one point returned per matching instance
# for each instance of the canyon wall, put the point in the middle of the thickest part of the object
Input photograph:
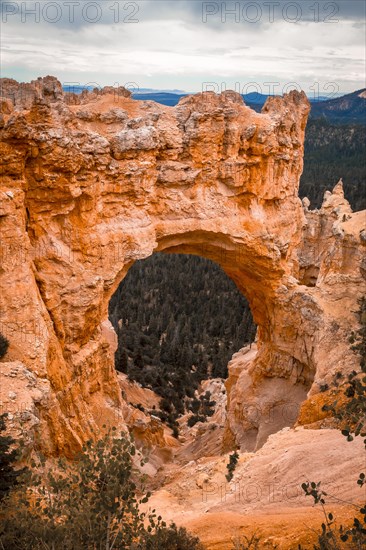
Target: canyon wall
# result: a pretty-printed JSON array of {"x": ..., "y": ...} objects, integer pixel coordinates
[
  {"x": 92, "y": 183},
  {"x": 321, "y": 310}
]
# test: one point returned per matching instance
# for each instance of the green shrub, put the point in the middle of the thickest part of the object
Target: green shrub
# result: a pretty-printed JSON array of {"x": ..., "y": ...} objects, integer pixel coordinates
[
  {"x": 4, "y": 344},
  {"x": 201, "y": 408},
  {"x": 233, "y": 460},
  {"x": 88, "y": 504},
  {"x": 8, "y": 458},
  {"x": 330, "y": 537},
  {"x": 172, "y": 538}
]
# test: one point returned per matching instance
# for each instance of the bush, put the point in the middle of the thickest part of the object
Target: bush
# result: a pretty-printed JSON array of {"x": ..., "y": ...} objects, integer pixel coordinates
[
  {"x": 233, "y": 460},
  {"x": 201, "y": 408},
  {"x": 4, "y": 344},
  {"x": 89, "y": 504},
  {"x": 8, "y": 457},
  {"x": 331, "y": 538},
  {"x": 172, "y": 538},
  {"x": 248, "y": 543},
  {"x": 352, "y": 411}
]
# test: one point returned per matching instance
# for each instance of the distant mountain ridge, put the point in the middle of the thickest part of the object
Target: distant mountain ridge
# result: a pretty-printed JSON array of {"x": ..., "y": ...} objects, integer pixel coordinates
[
  {"x": 165, "y": 98},
  {"x": 348, "y": 108},
  {"x": 154, "y": 91}
]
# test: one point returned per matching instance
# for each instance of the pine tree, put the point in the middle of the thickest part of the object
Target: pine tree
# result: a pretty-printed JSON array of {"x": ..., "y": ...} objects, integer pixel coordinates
[
  {"x": 138, "y": 360},
  {"x": 121, "y": 361},
  {"x": 8, "y": 457},
  {"x": 4, "y": 344}
]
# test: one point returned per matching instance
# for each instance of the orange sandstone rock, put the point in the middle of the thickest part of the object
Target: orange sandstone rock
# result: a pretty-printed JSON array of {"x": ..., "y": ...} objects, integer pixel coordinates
[{"x": 90, "y": 184}]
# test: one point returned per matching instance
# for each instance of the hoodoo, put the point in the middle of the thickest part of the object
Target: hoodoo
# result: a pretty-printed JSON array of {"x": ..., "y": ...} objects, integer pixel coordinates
[{"x": 92, "y": 183}]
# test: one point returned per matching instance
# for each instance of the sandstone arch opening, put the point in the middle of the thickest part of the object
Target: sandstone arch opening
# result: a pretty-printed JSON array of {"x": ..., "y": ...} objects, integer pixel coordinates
[
  {"x": 179, "y": 319},
  {"x": 270, "y": 398}
]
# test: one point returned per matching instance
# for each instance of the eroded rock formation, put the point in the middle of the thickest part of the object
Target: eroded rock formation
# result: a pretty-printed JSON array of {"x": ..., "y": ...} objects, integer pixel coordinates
[{"x": 90, "y": 184}]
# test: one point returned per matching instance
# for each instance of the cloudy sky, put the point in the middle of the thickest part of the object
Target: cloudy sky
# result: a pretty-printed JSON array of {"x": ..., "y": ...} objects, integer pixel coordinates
[{"x": 189, "y": 45}]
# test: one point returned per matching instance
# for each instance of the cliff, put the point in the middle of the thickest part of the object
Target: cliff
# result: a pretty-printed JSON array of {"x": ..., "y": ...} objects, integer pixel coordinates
[{"x": 90, "y": 184}]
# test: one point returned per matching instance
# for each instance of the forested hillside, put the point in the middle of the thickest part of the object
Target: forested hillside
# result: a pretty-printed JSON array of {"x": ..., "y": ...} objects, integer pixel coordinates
[
  {"x": 179, "y": 309},
  {"x": 333, "y": 152},
  {"x": 349, "y": 108}
]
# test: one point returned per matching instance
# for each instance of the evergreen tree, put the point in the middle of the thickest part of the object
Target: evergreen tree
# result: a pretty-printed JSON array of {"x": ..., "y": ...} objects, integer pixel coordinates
[
  {"x": 4, "y": 344},
  {"x": 121, "y": 360},
  {"x": 201, "y": 408},
  {"x": 8, "y": 458},
  {"x": 138, "y": 360}
]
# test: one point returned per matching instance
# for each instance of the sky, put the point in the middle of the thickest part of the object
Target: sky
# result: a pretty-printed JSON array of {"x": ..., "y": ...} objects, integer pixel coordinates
[{"x": 265, "y": 46}]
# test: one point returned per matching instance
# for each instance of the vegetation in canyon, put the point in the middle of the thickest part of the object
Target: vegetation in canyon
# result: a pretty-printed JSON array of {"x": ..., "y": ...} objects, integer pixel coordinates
[
  {"x": 233, "y": 460},
  {"x": 8, "y": 459},
  {"x": 4, "y": 344},
  {"x": 350, "y": 411},
  {"x": 332, "y": 152},
  {"x": 91, "y": 503},
  {"x": 332, "y": 537},
  {"x": 179, "y": 319}
]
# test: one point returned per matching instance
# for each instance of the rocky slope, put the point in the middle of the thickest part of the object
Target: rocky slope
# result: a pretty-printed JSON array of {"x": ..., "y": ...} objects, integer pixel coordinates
[
  {"x": 91, "y": 183},
  {"x": 265, "y": 495}
]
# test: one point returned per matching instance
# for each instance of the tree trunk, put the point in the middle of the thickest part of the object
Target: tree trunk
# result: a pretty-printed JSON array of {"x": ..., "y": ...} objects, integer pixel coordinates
[{"x": 107, "y": 545}]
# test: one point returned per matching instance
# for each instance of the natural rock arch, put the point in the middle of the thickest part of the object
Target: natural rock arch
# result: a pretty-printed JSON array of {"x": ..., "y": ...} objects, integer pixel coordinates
[{"x": 93, "y": 183}]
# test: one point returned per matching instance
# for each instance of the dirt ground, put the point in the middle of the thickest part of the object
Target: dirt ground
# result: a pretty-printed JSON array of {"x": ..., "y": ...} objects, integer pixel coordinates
[{"x": 284, "y": 530}]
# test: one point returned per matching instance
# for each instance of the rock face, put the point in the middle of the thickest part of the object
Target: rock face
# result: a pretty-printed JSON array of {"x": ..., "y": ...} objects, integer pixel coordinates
[
  {"x": 319, "y": 311},
  {"x": 90, "y": 184}
]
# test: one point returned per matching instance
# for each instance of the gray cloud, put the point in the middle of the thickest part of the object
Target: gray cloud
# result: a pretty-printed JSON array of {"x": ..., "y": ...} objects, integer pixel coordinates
[
  {"x": 220, "y": 15},
  {"x": 169, "y": 45}
]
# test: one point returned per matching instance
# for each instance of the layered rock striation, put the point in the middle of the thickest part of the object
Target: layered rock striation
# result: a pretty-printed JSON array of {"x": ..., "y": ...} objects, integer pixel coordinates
[{"x": 92, "y": 183}]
